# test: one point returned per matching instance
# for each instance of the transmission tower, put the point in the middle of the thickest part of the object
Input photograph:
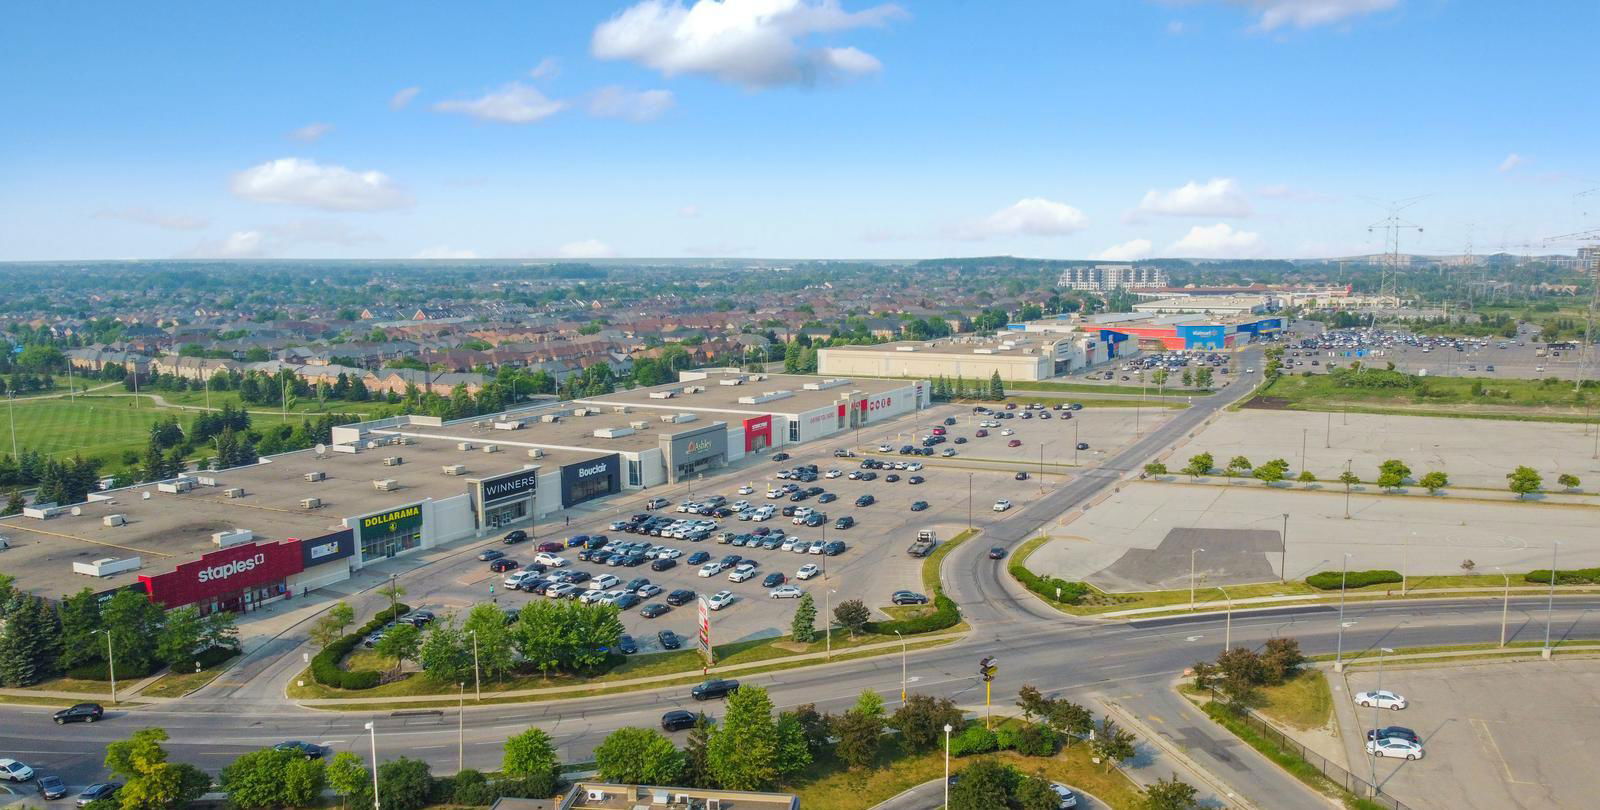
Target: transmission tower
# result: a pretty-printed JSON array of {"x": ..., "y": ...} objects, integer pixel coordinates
[
  {"x": 1392, "y": 226},
  {"x": 1590, "y": 268}
]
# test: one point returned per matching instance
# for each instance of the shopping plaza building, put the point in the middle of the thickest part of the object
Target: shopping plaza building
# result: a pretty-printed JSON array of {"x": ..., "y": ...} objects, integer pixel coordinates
[{"x": 240, "y": 538}]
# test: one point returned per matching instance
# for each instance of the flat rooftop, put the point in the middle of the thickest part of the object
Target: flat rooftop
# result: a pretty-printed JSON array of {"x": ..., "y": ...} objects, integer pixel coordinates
[
  {"x": 574, "y": 429},
  {"x": 1018, "y": 341},
  {"x": 628, "y": 797},
  {"x": 723, "y": 391}
]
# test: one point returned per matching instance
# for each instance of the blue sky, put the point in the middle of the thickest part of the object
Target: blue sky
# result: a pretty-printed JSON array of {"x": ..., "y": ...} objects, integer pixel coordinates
[{"x": 793, "y": 128}]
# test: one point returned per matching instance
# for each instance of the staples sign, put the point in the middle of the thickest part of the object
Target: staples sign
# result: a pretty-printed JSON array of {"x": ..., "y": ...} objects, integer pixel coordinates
[{"x": 226, "y": 570}]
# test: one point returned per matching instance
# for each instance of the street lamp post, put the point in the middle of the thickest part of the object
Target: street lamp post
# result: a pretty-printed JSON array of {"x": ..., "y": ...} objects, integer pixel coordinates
[
  {"x": 11, "y": 405},
  {"x": 372, "y": 731},
  {"x": 1283, "y": 561},
  {"x": 827, "y": 621},
  {"x": 902, "y": 665},
  {"x": 111, "y": 664},
  {"x": 1505, "y": 604},
  {"x": 1382, "y": 651},
  {"x": 477, "y": 679},
  {"x": 947, "y": 729},
  {"x": 1344, "y": 574},
  {"x": 1227, "y": 637},
  {"x": 1074, "y": 442},
  {"x": 1192, "y": 552},
  {"x": 1550, "y": 603},
  {"x": 461, "y": 726},
  {"x": 969, "y": 501}
]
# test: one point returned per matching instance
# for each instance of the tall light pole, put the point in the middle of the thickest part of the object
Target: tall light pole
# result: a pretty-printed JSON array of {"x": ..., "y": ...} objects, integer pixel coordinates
[
  {"x": 1382, "y": 651},
  {"x": 1283, "y": 561},
  {"x": 111, "y": 663},
  {"x": 1192, "y": 552},
  {"x": 1505, "y": 604},
  {"x": 372, "y": 731},
  {"x": 1344, "y": 575},
  {"x": 1550, "y": 604},
  {"x": 477, "y": 679},
  {"x": 969, "y": 501},
  {"x": 947, "y": 729},
  {"x": 902, "y": 665},
  {"x": 1302, "y": 449},
  {"x": 827, "y": 621},
  {"x": 1074, "y": 442},
  {"x": 1227, "y": 638},
  {"x": 461, "y": 726}
]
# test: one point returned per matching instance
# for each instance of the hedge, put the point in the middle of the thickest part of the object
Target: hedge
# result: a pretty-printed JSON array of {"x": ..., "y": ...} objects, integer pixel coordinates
[
  {"x": 944, "y": 616},
  {"x": 98, "y": 671},
  {"x": 1565, "y": 576},
  {"x": 1046, "y": 586},
  {"x": 325, "y": 666},
  {"x": 1330, "y": 580},
  {"x": 974, "y": 739}
]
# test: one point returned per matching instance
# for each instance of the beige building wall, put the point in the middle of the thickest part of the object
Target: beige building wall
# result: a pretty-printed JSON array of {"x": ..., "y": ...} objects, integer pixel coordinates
[{"x": 877, "y": 363}]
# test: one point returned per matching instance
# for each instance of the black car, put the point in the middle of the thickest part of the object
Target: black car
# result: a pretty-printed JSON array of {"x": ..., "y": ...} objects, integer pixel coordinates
[
  {"x": 634, "y": 560},
  {"x": 1394, "y": 731},
  {"x": 788, "y": 511},
  {"x": 961, "y": 440},
  {"x": 579, "y": 577},
  {"x": 1021, "y": 476},
  {"x": 799, "y": 496},
  {"x": 833, "y": 548},
  {"x": 503, "y": 564},
  {"x": 780, "y": 456},
  {"x": 677, "y": 720},
  {"x": 669, "y": 640},
  {"x": 99, "y": 790},
  {"x": 653, "y": 610},
  {"x": 626, "y": 646},
  {"x": 949, "y": 420},
  {"x": 51, "y": 787},
  {"x": 418, "y": 618},
  {"x": 844, "y": 522},
  {"x": 714, "y": 688},
  {"x": 682, "y": 596},
  {"x": 908, "y": 598},
  {"x": 869, "y": 476},
  {"x": 815, "y": 519},
  {"x": 627, "y": 601},
  {"x": 773, "y": 580},
  {"x": 82, "y": 712},
  {"x": 866, "y": 500},
  {"x": 918, "y": 506},
  {"x": 305, "y": 749},
  {"x": 996, "y": 552},
  {"x": 1083, "y": 445},
  {"x": 491, "y": 554},
  {"x": 698, "y": 557},
  {"x": 915, "y": 479},
  {"x": 515, "y": 536},
  {"x": 827, "y": 497},
  {"x": 891, "y": 478},
  {"x": 662, "y": 565}
]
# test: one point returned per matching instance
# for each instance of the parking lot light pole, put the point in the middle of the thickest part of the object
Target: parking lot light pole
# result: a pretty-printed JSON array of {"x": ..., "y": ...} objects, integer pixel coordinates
[
  {"x": 477, "y": 680},
  {"x": 372, "y": 731},
  {"x": 111, "y": 663},
  {"x": 1505, "y": 604},
  {"x": 902, "y": 666},
  {"x": 947, "y": 729},
  {"x": 1382, "y": 651},
  {"x": 1074, "y": 442},
  {"x": 827, "y": 621},
  {"x": 461, "y": 726},
  {"x": 969, "y": 501},
  {"x": 1192, "y": 552},
  {"x": 1550, "y": 603},
  {"x": 1283, "y": 561},
  {"x": 1344, "y": 575},
  {"x": 1227, "y": 638}
]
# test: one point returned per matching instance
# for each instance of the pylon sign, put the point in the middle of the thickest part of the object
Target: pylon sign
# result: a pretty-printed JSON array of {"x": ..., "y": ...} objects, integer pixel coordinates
[{"x": 704, "y": 640}]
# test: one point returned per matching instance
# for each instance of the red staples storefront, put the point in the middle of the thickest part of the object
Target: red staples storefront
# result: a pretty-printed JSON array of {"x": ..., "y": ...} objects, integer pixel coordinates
[{"x": 238, "y": 579}]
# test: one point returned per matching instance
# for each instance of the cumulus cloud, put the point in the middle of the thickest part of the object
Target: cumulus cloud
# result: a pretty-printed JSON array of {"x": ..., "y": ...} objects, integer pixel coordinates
[
  {"x": 444, "y": 252},
  {"x": 156, "y": 219},
  {"x": 310, "y": 133},
  {"x": 514, "y": 103},
  {"x": 586, "y": 249},
  {"x": 1219, "y": 197},
  {"x": 300, "y": 181},
  {"x": 1128, "y": 251},
  {"x": 1512, "y": 161},
  {"x": 1219, "y": 241},
  {"x": 755, "y": 44},
  {"x": 1031, "y": 216},
  {"x": 402, "y": 99},
  {"x": 1274, "y": 14},
  {"x": 547, "y": 68},
  {"x": 637, "y": 106}
]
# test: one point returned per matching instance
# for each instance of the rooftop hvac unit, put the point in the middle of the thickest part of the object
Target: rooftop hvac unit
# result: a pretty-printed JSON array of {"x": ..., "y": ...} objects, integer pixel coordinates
[
  {"x": 114, "y": 520},
  {"x": 315, "y": 476},
  {"x": 77, "y": 511},
  {"x": 233, "y": 538},
  {"x": 393, "y": 461},
  {"x": 549, "y": 418},
  {"x": 639, "y": 425},
  {"x": 404, "y": 440},
  {"x": 509, "y": 424},
  {"x": 310, "y": 503},
  {"x": 386, "y": 485},
  {"x": 480, "y": 424},
  {"x": 491, "y": 448},
  {"x": 455, "y": 469},
  {"x": 233, "y": 492},
  {"x": 535, "y": 453},
  {"x": 179, "y": 486},
  {"x": 466, "y": 446},
  {"x": 621, "y": 409},
  {"x": 206, "y": 481}
]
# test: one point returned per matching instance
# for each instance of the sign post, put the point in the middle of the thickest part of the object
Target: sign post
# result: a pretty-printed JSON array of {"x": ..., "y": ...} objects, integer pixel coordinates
[{"x": 707, "y": 656}]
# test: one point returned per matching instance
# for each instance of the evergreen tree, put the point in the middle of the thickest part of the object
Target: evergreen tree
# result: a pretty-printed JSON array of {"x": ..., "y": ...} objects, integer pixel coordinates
[
  {"x": 22, "y": 646},
  {"x": 997, "y": 389},
  {"x": 80, "y": 619},
  {"x": 697, "y": 754},
  {"x": 743, "y": 751},
  {"x": 961, "y": 387},
  {"x": 804, "y": 625},
  {"x": 15, "y": 503}
]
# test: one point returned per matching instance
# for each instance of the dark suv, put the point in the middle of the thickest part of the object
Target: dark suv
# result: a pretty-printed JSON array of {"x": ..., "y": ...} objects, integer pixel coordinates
[
  {"x": 515, "y": 536},
  {"x": 714, "y": 688},
  {"x": 81, "y": 713}
]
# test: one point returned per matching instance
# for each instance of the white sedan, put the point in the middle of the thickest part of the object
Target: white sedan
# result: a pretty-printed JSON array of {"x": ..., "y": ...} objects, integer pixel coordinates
[
  {"x": 808, "y": 571},
  {"x": 603, "y": 582},
  {"x": 786, "y": 592},
  {"x": 742, "y": 573},
  {"x": 720, "y": 600},
  {"x": 1382, "y": 699},
  {"x": 746, "y": 489},
  {"x": 833, "y": 473},
  {"x": 1002, "y": 505},
  {"x": 1008, "y": 432},
  {"x": 1394, "y": 747},
  {"x": 551, "y": 560},
  {"x": 710, "y": 569}
]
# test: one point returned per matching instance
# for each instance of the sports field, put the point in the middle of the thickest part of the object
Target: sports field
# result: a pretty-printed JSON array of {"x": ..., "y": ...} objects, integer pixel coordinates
[{"x": 91, "y": 426}]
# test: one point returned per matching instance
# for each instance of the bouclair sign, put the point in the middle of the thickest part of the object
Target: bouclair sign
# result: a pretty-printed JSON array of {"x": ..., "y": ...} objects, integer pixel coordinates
[
  {"x": 590, "y": 479},
  {"x": 517, "y": 484}
]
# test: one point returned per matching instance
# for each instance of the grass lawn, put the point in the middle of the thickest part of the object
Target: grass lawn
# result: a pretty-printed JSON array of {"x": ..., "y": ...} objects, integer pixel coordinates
[
  {"x": 1436, "y": 396},
  {"x": 829, "y": 784},
  {"x": 304, "y": 405},
  {"x": 1171, "y": 390},
  {"x": 93, "y": 426},
  {"x": 172, "y": 685},
  {"x": 1302, "y": 702}
]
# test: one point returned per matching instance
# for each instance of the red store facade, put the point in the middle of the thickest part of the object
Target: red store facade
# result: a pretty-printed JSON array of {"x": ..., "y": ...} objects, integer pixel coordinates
[{"x": 238, "y": 579}]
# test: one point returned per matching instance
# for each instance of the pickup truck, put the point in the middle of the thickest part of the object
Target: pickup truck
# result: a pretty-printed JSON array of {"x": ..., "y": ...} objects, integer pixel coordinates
[{"x": 926, "y": 540}]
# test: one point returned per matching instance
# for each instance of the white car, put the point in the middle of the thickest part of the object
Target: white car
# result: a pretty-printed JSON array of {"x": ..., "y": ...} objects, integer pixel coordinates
[
  {"x": 808, "y": 571},
  {"x": 800, "y": 546},
  {"x": 561, "y": 590},
  {"x": 710, "y": 569},
  {"x": 515, "y": 578},
  {"x": 15, "y": 771},
  {"x": 743, "y": 572},
  {"x": 748, "y": 514},
  {"x": 1394, "y": 747},
  {"x": 788, "y": 543},
  {"x": 785, "y": 592},
  {"x": 720, "y": 600},
  {"x": 593, "y": 596},
  {"x": 884, "y": 448},
  {"x": 899, "y": 465},
  {"x": 1008, "y": 432},
  {"x": 1382, "y": 699},
  {"x": 746, "y": 489},
  {"x": 774, "y": 492},
  {"x": 668, "y": 554},
  {"x": 740, "y": 505},
  {"x": 764, "y": 513},
  {"x": 603, "y": 582},
  {"x": 915, "y": 466},
  {"x": 648, "y": 590},
  {"x": 688, "y": 506},
  {"x": 816, "y": 547},
  {"x": 1002, "y": 505},
  {"x": 551, "y": 560},
  {"x": 833, "y": 473},
  {"x": 1065, "y": 798}
]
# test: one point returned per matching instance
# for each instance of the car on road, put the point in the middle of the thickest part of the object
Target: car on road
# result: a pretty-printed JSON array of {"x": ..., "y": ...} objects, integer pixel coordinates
[
  {"x": 514, "y": 536},
  {"x": 681, "y": 596},
  {"x": 1383, "y": 699},
  {"x": 51, "y": 787},
  {"x": 996, "y": 553},
  {"x": 305, "y": 749},
  {"x": 1021, "y": 475},
  {"x": 720, "y": 600},
  {"x": 552, "y": 560},
  {"x": 503, "y": 565},
  {"x": 1002, "y": 505},
  {"x": 1395, "y": 747},
  {"x": 669, "y": 640},
  {"x": 714, "y": 688},
  {"x": 808, "y": 571},
  {"x": 773, "y": 580},
  {"x": 490, "y": 554},
  {"x": 918, "y": 506},
  {"x": 1065, "y": 798},
  {"x": 677, "y": 720},
  {"x": 785, "y": 592},
  {"x": 908, "y": 598},
  {"x": 80, "y": 713},
  {"x": 98, "y": 790},
  {"x": 1394, "y": 731},
  {"x": 15, "y": 771}
]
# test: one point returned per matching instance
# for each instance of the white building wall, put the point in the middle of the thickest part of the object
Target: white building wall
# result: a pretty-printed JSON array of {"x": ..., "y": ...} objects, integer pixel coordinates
[
  {"x": 320, "y": 576},
  {"x": 450, "y": 520}
]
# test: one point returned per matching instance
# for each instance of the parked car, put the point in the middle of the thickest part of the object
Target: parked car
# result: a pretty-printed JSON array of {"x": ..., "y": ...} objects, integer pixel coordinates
[
  {"x": 1065, "y": 798},
  {"x": 677, "y": 720},
  {"x": 780, "y": 456},
  {"x": 698, "y": 557},
  {"x": 490, "y": 554},
  {"x": 82, "y": 712},
  {"x": 918, "y": 506},
  {"x": 656, "y": 503},
  {"x": 844, "y": 522},
  {"x": 552, "y": 560},
  {"x": 626, "y": 645},
  {"x": 915, "y": 479},
  {"x": 514, "y": 536},
  {"x": 720, "y": 600},
  {"x": 773, "y": 580},
  {"x": 663, "y": 564},
  {"x": 808, "y": 571},
  {"x": 908, "y": 598},
  {"x": 714, "y": 688},
  {"x": 785, "y": 592},
  {"x": 98, "y": 790},
  {"x": 502, "y": 565},
  {"x": 1383, "y": 699},
  {"x": 1393, "y": 731},
  {"x": 1395, "y": 747},
  {"x": 866, "y": 500},
  {"x": 51, "y": 787},
  {"x": 551, "y": 546},
  {"x": 669, "y": 640},
  {"x": 681, "y": 596},
  {"x": 653, "y": 610}
]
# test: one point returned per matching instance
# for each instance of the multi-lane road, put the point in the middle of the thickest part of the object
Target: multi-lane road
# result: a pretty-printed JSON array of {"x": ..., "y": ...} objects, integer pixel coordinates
[{"x": 1128, "y": 663}]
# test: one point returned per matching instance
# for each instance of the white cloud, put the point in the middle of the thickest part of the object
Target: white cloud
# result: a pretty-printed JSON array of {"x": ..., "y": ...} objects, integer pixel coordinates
[
  {"x": 587, "y": 249},
  {"x": 1284, "y": 191},
  {"x": 752, "y": 43},
  {"x": 689, "y": 211},
  {"x": 310, "y": 133},
  {"x": 637, "y": 106},
  {"x": 1128, "y": 251},
  {"x": 1512, "y": 161},
  {"x": 444, "y": 252},
  {"x": 1275, "y": 14},
  {"x": 514, "y": 103},
  {"x": 277, "y": 239},
  {"x": 236, "y": 245},
  {"x": 1219, "y": 197},
  {"x": 547, "y": 68},
  {"x": 1032, "y": 216},
  {"x": 1176, "y": 27},
  {"x": 299, "y": 181},
  {"x": 157, "y": 219},
  {"x": 1219, "y": 241},
  {"x": 402, "y": 99}
]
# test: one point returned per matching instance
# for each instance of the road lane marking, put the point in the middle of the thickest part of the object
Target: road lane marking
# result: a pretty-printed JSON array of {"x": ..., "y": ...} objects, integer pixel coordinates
[{"x": 1486, "y": 736}]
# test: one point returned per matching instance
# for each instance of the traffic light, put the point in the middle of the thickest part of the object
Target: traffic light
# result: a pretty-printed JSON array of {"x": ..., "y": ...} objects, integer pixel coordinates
[{"x": 987, "y": 667}]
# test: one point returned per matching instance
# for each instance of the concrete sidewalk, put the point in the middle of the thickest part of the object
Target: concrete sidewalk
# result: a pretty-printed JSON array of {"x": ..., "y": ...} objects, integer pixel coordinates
[{"x": 1333, "y": 598}]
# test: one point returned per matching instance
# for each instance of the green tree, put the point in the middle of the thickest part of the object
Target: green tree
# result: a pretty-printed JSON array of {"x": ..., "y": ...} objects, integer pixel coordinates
[
  {"x": 804, "y": 625},
  {"x": 1159, "y": 377},
  {"x": 638, "y": 756},
  {"x": 859, "y": 731},
  {"x": 28, "y": 651},
  {"x": 1272, "y": 472},
  {"x": 1392, "y": 474},
  {"x": 80, "y": 623},
  {"x": 1241, "y": 671},
  {"x": 1524, "y": 481},
  {"x": 133, "y": 622},
  {"x": 1281, "y": 659},
  {"x": 471, "y": 788},
  {"x": 852, "y": 614},
  {"x": 404, "y": 784},
  {"x": 349, "y": 778},
  {"x": 921, "y": 719},
  {"x": 331, "y": 625},
  {"x": 1187, "y": 378},
  {"x": 530, "y": 757},
  {"x": 1568, "y": 481},
  {"x": 697, "y": 754},
  {"x": 15, "y": 503},
  {"x": 794, "y": 744},
  {"x": 1202, "y": 377},
  {"x": 446, "y": 655},
  {"x": 401, "y": 643},
  {"x": 219, "y": 630},
  {"x": 179, "y": 639},
  {"x": 984, "y": 785},
  {"x": 1238, "y": 465},
  {"x": 1155, "y": 468},
  {"x": 150, "y": 781},
  {"x": 1171, "y": 794},
  {"x": 1035, "y": 793},
  {"x": 1111, "y": 743},
  {"x": 495, "y": 654},
  {"x": 1199, "y": 464},
  {"x": 1434, "y": 481},
  {"x": 997, "y": 388},
  {"x": 1306, "y": 477},
  {"x": 1349, "y": 479},
  {"x": 742, "y": 751},
  {"x": 271, "y": 778}
]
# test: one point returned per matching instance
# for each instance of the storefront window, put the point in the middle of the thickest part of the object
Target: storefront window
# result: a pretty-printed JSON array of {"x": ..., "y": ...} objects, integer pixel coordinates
[
  {"x": 587, "y": 488},
  {"x": 633, "y": 473},
  {"x": 794, "y": 432},
  {"x": 389, "y": 544},
  {"x": 497, "y": 516}
]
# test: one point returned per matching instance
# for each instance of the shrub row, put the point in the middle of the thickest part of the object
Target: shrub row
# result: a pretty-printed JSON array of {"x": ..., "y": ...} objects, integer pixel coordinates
[
  {"x": 1565, "y": 576},
  {"x": 1330, "y": 580},
  {"x": 944, "y": 616},
  {"x": 1028, "y": 739},
  {"x": 1046, "y": 586},
  {"x": 98, "y": 671},
  {"x": 325, "y": 666}
]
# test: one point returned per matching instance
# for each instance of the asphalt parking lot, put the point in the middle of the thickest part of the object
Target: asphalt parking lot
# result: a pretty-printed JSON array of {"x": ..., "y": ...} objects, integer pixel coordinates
[
  {"x": 1048, "y": 437},
  {"x": 1514, "y": 735}
]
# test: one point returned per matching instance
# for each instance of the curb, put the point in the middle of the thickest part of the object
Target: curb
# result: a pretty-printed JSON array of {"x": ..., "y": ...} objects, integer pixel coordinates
[{"x": 1149, "y": 735}]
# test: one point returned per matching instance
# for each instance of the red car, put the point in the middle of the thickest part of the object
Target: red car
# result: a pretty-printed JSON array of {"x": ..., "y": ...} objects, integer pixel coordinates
[
  {"x": 1014, "y": 443},
  {"x": 982, "y": 432},
  {"x": 552, "y": 547}
]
